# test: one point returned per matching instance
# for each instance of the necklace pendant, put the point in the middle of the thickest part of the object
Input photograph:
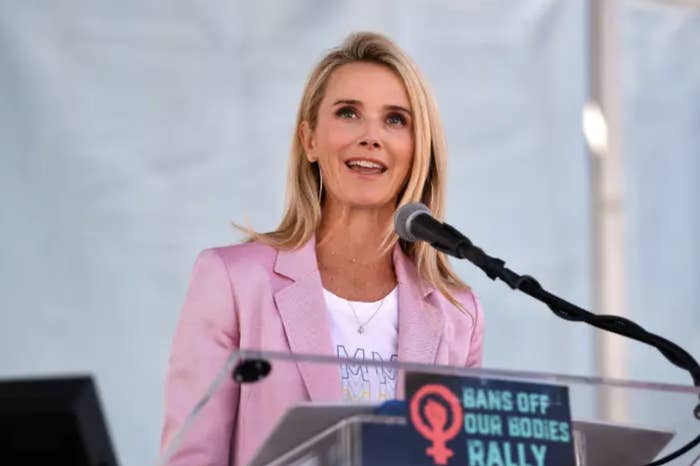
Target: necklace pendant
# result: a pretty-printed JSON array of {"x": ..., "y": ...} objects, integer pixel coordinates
[{"x": 361, "y": 329}]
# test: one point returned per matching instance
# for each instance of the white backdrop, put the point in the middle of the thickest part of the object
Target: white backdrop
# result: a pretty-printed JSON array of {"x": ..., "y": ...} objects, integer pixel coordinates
[{"x": 132, "y": 134}]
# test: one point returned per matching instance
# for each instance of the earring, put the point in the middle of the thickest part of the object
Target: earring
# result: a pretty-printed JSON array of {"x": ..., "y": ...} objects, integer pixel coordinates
[{"x": 320, "y": 183}]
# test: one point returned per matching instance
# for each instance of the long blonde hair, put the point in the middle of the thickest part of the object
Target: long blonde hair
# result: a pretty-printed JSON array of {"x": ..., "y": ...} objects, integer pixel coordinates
[{"x": 426, "y": 183}]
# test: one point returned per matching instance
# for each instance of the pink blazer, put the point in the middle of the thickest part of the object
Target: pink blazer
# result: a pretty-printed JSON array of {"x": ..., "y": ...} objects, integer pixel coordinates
[{"x": 256, "y": 297}]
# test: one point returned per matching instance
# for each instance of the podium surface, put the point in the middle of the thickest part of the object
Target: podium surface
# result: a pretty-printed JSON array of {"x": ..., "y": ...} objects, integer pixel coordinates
[
  {"x": 505, "y": 417},
  {"x": 314, "y": 434}
]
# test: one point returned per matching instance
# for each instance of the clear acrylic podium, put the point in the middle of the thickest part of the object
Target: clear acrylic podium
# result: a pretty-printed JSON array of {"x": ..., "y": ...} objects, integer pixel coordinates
[{"x": 614, "y": 422}]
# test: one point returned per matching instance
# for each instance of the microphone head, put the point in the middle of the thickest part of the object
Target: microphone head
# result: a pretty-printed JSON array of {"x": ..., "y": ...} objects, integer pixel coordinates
[{"x": 405, "y": 215}]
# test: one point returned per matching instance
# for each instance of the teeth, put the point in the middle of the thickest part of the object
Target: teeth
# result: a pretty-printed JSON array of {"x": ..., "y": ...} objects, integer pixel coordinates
[{"x": 364, "y": 164}]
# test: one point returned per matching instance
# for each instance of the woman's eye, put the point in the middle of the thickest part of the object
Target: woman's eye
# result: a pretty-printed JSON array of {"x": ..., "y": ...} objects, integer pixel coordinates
[
  {"x": 346, "y": 112},
  {"x": 396, "y": 119}
]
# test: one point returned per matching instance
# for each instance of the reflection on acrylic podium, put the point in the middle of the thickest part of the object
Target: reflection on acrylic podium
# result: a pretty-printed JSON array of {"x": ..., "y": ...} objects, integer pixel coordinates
[{"x": 444, "y": 415}]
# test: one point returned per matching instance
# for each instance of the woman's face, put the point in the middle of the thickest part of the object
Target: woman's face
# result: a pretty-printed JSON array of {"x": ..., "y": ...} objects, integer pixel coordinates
[{"x": 363, "y": 138}]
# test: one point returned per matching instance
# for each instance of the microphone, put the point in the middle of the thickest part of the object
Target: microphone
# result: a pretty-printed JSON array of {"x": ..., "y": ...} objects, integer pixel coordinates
[{"x": 415, "y": 222}]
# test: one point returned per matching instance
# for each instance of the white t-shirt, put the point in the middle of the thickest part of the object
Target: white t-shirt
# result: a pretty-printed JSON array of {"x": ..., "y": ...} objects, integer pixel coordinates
[{"x": 378, "y": 341}]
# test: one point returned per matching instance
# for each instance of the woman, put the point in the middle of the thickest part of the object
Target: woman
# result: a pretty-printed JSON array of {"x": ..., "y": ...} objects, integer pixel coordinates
[{"x": 332, "y": 279}]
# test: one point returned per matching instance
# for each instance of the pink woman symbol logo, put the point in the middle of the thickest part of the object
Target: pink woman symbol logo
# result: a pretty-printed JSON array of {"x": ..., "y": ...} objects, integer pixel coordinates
[{"x": 436, "y": 429}]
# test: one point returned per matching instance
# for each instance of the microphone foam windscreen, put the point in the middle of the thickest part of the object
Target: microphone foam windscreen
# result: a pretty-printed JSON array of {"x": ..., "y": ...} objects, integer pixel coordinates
[{"x": 403, "y": 217}]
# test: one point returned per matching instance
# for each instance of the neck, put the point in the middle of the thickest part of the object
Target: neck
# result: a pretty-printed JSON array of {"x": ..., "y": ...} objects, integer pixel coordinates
[
  {"x": 354, "y": 234},
  {"x": 348, "y": 250}
]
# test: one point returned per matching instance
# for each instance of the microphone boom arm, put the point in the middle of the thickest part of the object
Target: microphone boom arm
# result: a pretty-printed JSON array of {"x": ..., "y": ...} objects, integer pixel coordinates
[{"x": 495, "y": 269}]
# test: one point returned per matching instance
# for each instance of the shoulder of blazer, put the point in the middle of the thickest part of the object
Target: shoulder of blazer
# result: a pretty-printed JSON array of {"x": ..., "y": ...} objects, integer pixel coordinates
[
  {"x": 470, "y": 315},
  {"x": 244, "y": 259}
]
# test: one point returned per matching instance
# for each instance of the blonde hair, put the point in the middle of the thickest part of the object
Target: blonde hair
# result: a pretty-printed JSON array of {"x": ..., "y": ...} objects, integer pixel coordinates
[{"x": 426, "y": 183}]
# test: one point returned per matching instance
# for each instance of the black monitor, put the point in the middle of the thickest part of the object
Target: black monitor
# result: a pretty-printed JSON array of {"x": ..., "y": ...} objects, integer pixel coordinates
[{"x": 54, "y": 421}]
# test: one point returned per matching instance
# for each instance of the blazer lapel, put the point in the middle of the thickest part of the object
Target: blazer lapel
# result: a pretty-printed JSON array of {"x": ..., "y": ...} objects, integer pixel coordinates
[
  {"x": 303, "y": 311},
  {"x": 421, "y": 322}
]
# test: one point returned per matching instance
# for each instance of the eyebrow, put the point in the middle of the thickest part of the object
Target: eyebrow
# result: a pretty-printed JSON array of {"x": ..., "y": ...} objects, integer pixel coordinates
[{"x": 359, "y": 103}]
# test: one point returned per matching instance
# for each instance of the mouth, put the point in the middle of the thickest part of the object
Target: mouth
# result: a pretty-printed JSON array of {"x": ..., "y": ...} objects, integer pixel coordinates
[{"x": 365, "y": 166}]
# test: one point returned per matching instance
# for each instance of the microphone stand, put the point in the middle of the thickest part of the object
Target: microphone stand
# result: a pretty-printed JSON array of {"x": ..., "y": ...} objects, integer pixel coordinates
[{"x": 495, "y": 269}]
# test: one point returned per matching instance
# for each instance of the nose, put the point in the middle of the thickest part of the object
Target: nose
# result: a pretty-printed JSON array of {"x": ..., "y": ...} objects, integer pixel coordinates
[
  {"x": 370, "y": 143},
  {"x": 370, "y": 139}
]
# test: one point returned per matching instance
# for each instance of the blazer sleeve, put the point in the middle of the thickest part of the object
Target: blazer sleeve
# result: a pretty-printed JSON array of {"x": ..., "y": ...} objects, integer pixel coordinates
[
  {"x": 206, "y": 334},
  {"x": 476, "y": 343}
]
